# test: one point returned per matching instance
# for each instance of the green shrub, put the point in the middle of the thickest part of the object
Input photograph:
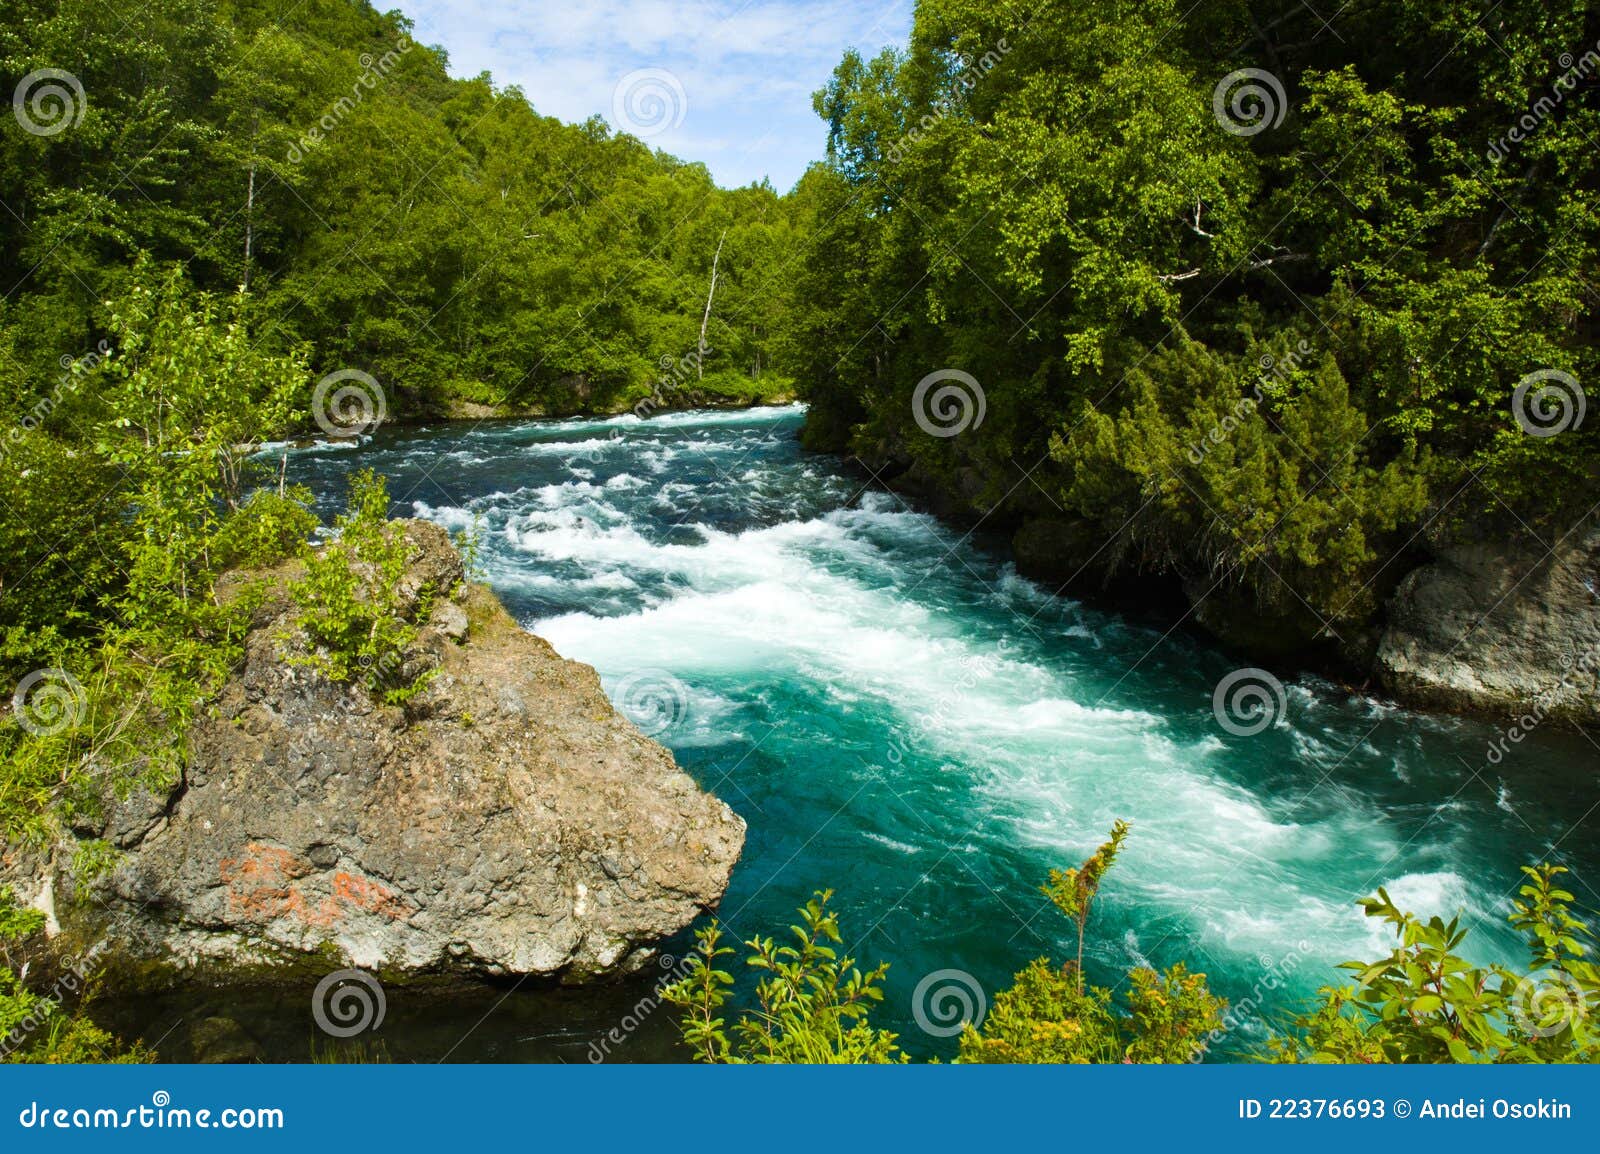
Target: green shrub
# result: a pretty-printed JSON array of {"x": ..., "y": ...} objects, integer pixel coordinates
[
  {"x": 811, "y": 1005},
  {"x": 36, "y": 1028},
  {"x": 1049, "y": 1015},
  {"x": 1424, "y": 1002},
  {"x": 174, "y": 415},
  {"x": 349, "y": 601}
]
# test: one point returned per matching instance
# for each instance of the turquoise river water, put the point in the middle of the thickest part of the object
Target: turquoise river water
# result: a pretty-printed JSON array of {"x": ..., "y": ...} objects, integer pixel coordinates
[{"x": 902, "y": 718}]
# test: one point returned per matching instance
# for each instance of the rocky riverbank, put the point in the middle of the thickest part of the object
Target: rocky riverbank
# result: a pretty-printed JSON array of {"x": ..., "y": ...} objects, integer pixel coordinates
[
  {"x": 1495, "y": 627},
  {"x": 505, "y": 821},
  {"x": 1500, "y": 627}
]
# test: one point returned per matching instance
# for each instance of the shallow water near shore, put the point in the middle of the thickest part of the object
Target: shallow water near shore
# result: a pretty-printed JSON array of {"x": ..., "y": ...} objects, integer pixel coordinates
[{"x": 902, "y": 718}]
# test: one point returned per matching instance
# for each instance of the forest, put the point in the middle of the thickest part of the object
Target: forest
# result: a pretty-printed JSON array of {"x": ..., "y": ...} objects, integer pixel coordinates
[
  {"x": 1263, "y": 331},
  {"x": 1260, "y": 337},
  {"x": 437, "y": 234}
]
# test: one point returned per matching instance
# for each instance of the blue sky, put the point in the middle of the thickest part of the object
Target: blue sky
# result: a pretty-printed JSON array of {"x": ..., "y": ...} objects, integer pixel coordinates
[{"x": 726, "y": 82}]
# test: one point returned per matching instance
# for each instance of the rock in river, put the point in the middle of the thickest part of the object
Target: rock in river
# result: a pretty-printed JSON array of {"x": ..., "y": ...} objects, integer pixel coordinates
[{"x": 506, "y": 820}]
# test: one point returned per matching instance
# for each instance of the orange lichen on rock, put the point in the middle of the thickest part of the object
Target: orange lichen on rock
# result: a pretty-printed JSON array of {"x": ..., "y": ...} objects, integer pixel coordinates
[
  {"x": 263, "y": 884},
  {"x": 259, "y": 882},
  {"x": 366, "y": 894}
]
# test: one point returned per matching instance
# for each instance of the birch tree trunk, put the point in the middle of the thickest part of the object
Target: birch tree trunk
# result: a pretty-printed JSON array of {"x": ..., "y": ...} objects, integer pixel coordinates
[{"x": 700, "y": 359}]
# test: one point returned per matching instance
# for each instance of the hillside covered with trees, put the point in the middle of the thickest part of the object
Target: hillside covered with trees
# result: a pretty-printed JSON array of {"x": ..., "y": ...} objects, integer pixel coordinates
[
  {"x": 1247, "y": 303},
  {"x": 437, "y": 234},
  {"x": 1251, "y": 301}
]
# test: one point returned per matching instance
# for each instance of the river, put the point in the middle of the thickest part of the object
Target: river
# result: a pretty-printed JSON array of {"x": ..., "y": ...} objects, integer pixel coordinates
[{"x": 899, "y": 716}]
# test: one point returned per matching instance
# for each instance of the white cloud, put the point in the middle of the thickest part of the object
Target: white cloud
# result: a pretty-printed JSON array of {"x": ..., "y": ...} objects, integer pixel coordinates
[{"x": 746, "y": 69}]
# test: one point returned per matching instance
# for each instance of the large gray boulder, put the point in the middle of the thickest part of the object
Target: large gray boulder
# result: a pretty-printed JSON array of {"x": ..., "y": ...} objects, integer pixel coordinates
[
  {"x": 1500, "y": 627},
  {"x": 506, "y": 821}
]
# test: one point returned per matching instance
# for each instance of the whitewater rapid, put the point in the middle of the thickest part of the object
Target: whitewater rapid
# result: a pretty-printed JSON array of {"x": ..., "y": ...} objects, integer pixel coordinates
[{"x": 901, "y": 717}]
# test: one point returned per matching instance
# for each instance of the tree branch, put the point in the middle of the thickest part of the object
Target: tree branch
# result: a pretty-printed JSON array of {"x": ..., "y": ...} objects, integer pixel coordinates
[
  {"x": 1285, "y": 258},
  {"x": 1527, "y": 178}
]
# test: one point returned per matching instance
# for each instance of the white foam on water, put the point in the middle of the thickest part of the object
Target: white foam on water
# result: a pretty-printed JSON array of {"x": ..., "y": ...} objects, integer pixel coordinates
[
  {"x": 759, "y": 414},
  {"x": 592, "y": 446},
  {"x": 450, "y": 516},
  {"x": 1502, "y": 798},
  {"x": 891, "y": 843},
  {"x": 855, "y": 609},
  {"x": 777, "y": 604},
  {"x": 297, "y": 448}
]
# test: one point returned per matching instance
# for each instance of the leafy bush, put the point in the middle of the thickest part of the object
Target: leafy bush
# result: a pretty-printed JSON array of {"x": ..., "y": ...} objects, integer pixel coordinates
[
  {"x": 1259, "y": 479},
  {"x": 171, "y": 418},
  {"x": 350, "y": 602},
  {"x": 38, "y": 1029},
  {"x": 811, "y": 1005},
  {"x": 1424, "y": 1002},
  {"x": 1050, "y": 1015}
]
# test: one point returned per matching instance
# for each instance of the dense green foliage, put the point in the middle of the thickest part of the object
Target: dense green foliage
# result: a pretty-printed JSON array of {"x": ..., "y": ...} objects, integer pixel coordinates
[
  {"x": 1258, "y": 355},
  {"x": 153, "y": 487},
  {"x": 438, "y": 234},
  {"x": 1260, "y": 347},
  {"x": 811, "y": 1005},
  {"x": 1424, "y": 1002},
  {"x": 39, "y": 1028},
  {"x": 349, "y": 600},
  {"x": 1427, "y": 1003}
]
